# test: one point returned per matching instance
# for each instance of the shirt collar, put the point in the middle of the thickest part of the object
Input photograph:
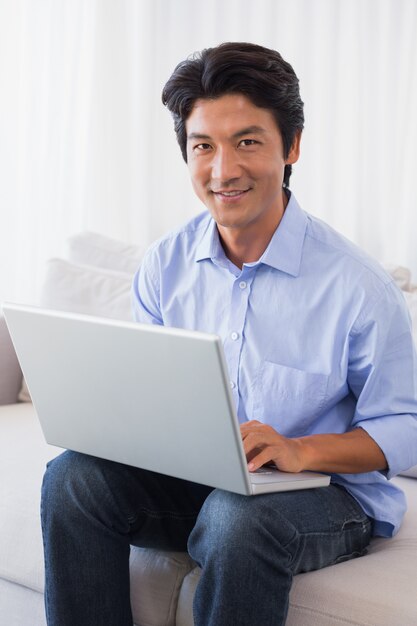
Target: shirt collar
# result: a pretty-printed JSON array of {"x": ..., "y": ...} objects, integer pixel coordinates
[
  {"x": 284, "y": 251},
  {"x": 210, "y": 246}
]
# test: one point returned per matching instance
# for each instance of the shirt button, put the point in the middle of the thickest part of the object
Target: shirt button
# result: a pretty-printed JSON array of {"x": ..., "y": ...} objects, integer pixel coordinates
[
  {"x": 232, "y": 384},
  {"x": 242, "y": 284},
  {"x": 234, "y": 335}
]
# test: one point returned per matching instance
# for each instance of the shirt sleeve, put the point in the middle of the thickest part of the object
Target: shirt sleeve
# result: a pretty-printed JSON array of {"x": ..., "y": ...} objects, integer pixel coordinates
[
  {"x": 145, "y": 292},
  {"x": 383, "y": 376}
]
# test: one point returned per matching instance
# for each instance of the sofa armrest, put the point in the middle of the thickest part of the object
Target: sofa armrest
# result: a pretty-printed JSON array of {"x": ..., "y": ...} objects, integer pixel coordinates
[{"x": 10, "y": 372}]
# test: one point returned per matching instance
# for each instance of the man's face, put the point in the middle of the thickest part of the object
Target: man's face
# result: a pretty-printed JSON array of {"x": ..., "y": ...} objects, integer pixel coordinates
[{"x": 236, "y": 161}]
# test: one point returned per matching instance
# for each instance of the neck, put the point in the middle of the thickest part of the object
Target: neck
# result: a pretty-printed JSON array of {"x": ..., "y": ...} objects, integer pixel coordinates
[
  {"x": 248, "y": 244},
  {"x": 242, "y": 249}
]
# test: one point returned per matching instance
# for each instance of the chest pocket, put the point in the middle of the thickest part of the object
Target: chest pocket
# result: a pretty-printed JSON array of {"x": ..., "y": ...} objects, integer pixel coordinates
[{"x": 288, "y": 399}]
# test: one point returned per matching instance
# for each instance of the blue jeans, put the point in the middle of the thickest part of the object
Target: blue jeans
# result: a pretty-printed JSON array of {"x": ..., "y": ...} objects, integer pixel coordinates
[{"x": 249, "y": 548}]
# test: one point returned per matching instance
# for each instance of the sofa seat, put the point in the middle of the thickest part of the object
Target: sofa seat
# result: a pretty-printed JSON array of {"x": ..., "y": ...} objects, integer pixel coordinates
[{"x": 378, "y": 590}]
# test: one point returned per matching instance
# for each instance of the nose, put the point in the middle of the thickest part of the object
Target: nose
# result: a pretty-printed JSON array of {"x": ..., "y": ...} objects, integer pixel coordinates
[{"x": 225, "y": 166}]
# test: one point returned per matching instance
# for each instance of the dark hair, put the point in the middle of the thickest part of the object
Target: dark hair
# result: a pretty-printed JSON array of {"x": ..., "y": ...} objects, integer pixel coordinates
[{"x": 259, "y": 73}]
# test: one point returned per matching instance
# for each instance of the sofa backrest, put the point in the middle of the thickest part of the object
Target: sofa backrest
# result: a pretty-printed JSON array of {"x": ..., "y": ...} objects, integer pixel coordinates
[{"x": 10, "y": 372}]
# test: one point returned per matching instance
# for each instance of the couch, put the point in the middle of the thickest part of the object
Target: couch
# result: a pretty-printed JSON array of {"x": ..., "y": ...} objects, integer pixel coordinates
[{"x": 94, "y": 277}]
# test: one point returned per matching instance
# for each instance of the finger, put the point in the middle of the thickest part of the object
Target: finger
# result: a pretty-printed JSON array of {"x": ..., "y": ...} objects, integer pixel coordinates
[
  {"x": 252, "y": 441},
  {"x": 249, "y": 427},
  {"x": 251, "y": 424},
  {"x": 260, "y": 437},
  {"x": 260, "y": 459}
]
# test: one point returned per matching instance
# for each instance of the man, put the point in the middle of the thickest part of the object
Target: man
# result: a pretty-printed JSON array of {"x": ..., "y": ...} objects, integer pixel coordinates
[{"x": 321, "y": 363}]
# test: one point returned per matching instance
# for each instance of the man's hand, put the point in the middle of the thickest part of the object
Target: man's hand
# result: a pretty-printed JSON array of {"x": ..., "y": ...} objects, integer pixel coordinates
[
  {"x": 353, "y": 452},
  {"x": 263, "y": 445}
]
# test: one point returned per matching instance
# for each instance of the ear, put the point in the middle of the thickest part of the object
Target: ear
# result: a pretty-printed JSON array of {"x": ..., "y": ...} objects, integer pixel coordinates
[{"x": 294, "y": 152}]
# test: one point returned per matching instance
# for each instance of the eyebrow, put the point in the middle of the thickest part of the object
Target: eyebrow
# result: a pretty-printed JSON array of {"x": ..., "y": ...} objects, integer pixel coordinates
[{"x": 250, "y": 130}]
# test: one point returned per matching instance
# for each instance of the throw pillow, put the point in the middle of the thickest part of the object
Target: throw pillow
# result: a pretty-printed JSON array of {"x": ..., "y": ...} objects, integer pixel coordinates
[
  {"x": 86, "y": 289},
  {"x": 99, "y": 251},
  {"x": 411, "y": 473}
]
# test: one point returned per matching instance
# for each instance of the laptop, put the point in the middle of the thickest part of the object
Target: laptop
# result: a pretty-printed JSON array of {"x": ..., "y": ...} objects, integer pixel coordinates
[{"x": 148, "y": 396}]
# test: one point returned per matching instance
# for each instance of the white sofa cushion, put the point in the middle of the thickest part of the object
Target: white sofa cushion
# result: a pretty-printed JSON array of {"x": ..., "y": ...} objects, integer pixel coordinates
[
  {"x": 378, "y": 589},
  {"x": 99, "y": 251},
  {"x": 23, "y": 456},
  {"x": 411, "y": 473},
  {"x": 156, "y": 576},
  {"x": 86, "y": 289},
  {"x": 94, "y": 279},
  {"x": 20, "y": 606},
  {"x": 156, "y": 579}
]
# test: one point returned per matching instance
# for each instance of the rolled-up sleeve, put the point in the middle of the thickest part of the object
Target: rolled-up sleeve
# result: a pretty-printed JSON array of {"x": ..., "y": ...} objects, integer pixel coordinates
[{"x": 383, "y": 376}]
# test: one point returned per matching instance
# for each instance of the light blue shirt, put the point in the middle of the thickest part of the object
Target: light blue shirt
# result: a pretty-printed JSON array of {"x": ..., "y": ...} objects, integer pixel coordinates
[{"x": 317, "y": 338}]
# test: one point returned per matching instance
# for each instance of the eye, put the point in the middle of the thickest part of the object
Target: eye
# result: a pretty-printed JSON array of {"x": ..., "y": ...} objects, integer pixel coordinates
[
  {"x": 202, "y": 147},
  {"x": 248, "y": 142}
]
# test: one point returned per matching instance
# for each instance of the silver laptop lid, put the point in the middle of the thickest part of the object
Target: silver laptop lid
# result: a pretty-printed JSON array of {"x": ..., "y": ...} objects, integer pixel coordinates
[{"x": 158, "y": 397}]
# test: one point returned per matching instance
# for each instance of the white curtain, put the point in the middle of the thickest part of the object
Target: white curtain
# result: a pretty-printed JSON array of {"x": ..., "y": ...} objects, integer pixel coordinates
[{"x": 85, "y": 143}]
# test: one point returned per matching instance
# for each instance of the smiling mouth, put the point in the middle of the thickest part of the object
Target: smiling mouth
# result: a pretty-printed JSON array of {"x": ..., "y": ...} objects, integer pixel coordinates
[{"x": 236, "y": 193}]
